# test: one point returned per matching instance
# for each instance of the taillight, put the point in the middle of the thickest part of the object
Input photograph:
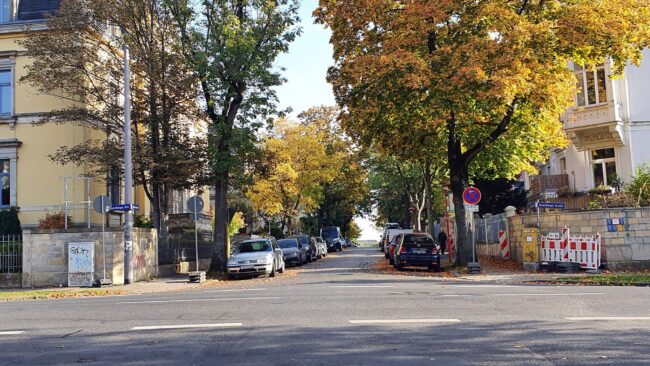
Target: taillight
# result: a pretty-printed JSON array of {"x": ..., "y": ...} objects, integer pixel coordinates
[
  {"x": 402, "y": 250},
  {"x": 434, "y": 250}
]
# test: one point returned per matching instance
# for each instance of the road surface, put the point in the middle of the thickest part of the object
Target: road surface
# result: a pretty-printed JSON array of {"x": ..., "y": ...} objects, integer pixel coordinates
[{"x": 336, "y": 311}]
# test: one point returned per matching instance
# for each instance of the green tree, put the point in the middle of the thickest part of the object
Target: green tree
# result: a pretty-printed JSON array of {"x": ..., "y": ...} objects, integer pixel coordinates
[
  {"x": 231, "y": 45},
  {"x": 488, "y": 78},
  {"x": 78, "y": 59}
]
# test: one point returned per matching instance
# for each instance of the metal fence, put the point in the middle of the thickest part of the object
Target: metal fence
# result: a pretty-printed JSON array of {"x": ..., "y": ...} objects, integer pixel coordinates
[
  {"x": 487, "y": 228},
  {"x": 182, "y": 247},
  {"x": 11, "y": 254}
]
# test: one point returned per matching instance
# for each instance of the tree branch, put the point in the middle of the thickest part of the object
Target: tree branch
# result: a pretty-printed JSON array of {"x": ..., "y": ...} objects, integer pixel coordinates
[{"x": 469, "y": 155}]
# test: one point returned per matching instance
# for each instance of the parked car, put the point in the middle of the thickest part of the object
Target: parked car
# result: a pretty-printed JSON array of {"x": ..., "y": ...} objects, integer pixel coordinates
[
  {"x": 391, "y": 248},
  {"x": 390, "y": 235},
  {"x": 348, "y": 243},
  {"x": 417, "y": 250},
  {"x": 310, "y": 247},
  {"x": 294, "y": 253},
  {"x": 322, "y": 247},
  {"x": 333, "y": 238},
  {"x": 255, "y": 257}
]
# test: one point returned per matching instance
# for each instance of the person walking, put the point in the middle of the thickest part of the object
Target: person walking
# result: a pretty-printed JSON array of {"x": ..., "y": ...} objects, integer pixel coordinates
[{"x": 442, "y": 241}]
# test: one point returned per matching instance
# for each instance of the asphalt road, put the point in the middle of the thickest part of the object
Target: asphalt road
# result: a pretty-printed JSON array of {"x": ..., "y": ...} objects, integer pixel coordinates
[{"x": 335, "y": 311}]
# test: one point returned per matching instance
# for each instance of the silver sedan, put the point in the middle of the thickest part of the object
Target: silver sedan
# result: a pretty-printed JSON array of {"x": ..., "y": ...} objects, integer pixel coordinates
[{"x": 256, "y": 257}]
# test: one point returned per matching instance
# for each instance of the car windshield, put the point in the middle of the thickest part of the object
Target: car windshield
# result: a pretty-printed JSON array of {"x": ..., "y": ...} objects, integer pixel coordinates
[
  {"x": 330, "y": 232},
  {"x": 304, "y": 240},
  {"x": 253, "y": 246},
  {"x": 288, "y": 243},
  {"x": 418, "y": 239}
]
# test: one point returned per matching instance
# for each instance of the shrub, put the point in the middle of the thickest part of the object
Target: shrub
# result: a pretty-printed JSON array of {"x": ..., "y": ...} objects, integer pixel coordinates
[
  {"x": 601, "y": 190},
  {"x": 9, "y": 222},
  {"x": 639, "y": 187},
  {"x": 142, "y": 221},
  {"x": 54, "y": 220}
]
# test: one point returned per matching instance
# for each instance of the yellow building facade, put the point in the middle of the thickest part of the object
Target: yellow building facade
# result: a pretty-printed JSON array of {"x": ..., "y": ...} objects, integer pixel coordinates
[{"x": 31, "y": 182}]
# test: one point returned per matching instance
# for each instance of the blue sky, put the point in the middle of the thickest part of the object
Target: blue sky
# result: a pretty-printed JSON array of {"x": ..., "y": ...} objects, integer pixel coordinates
[{"x": 306, "y": 65}]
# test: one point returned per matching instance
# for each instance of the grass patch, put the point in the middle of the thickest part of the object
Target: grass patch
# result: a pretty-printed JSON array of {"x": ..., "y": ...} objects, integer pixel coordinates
[
  {"x": 618, "y": 279},
  {"x": 56, "y": 294}
]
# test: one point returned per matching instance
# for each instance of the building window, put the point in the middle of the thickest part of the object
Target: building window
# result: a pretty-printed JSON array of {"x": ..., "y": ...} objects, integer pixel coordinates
[
  {"x": 5, "y": 178},
  {"x": 6, "y": 92},
  {"x": 6, "y": 14},
  {"x": 603, "y": 164},
  {"x": 562, "y": 165},
  {"x": 592, "y": 86}
]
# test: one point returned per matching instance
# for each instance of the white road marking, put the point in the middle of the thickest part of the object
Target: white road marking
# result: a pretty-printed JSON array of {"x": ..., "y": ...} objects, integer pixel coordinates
[
  {"x": 236, "y": 290},
  {"x": 187, "y": 326},
  {"x": 536, "y": 294},
  {"x": 362, "y": 286},
  {"x": 403, "y": 321},
  {"x": 12, "y": 332},
  {"x": 196, "y": 300},
  {"x": 479, "y": 286},
  {"x": 613, "y": 318}
]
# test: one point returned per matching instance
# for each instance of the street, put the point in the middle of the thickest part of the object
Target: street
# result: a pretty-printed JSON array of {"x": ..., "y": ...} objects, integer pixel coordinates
[{"x": 336, "y": 311}]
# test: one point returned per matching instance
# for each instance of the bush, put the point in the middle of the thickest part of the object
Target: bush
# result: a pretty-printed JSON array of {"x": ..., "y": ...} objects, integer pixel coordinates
[
  {"x": 639, "y": 187},
  {"x": 601, "y": 190},
  {"x": 142, "y": 221},
  {"x": 9, "y": 222},
  {"x": 54, "y": 220}
]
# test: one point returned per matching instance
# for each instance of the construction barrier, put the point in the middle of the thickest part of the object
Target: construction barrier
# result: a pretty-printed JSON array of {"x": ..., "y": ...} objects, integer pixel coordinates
[
  {"x": 503, "y": 244},
  {"x": 584, "y": 250}
]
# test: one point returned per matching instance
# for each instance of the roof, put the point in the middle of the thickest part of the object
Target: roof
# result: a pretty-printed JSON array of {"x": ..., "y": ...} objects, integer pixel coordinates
[{"x": 36, "y": 9}]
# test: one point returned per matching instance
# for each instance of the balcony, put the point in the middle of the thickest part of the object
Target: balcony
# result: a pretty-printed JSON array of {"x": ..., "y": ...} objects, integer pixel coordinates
[{"x": 595, "y": 126}]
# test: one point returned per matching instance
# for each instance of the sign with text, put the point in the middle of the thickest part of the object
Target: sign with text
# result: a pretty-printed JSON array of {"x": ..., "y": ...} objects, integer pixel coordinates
[
  {"x": 125, "y": 207},
  {"x": 81, "y": 264},
  {"x": 559, "y": 205},
  {"x": 471, "y": 208}
]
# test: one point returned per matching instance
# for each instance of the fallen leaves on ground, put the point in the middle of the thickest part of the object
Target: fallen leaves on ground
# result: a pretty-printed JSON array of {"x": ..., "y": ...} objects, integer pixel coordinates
[
  {"x": 493, "y": 265},
  {"x": 58, "y": 294}
]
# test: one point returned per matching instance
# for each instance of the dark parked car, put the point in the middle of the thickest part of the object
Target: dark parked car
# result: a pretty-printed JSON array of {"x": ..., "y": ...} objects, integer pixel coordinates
[
  {"x": 294, "y": 253},
  {"x": 332, "y": 236},
  {"x": 309, "y": 245},
  {"x": 417, "y": 250}
]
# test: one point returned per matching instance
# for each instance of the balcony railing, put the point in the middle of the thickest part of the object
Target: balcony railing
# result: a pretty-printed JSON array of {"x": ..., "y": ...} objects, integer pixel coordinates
[
  {"x": 581, "y": 117},
  {"x": 542, "y": 183}
]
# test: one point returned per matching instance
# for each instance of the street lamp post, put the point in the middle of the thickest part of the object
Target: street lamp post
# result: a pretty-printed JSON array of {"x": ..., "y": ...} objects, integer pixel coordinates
[{"x": 128, "y": 174}]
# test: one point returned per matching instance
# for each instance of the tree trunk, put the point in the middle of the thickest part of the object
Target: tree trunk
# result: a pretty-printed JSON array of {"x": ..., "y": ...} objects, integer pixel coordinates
[
  {"x": 220, "y": 237},
  {"x": 458, "y": 179},
  {"x": 428, "y": 199},
  {"x": 406, "y": 203}
]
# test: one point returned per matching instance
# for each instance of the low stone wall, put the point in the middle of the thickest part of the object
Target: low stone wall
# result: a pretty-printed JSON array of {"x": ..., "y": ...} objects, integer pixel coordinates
[
  {"x": 10, "y": 280},
  {"x": 623, "y": 250},
  {"x": 45, "y": 259}
]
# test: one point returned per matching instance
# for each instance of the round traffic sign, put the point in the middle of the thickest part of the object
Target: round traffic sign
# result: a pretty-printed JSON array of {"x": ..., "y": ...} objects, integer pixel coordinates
[
  {"x": 195, "y": 204},
  {"x": 472, "y": 196},
  {"x": 100, "y": 202}
]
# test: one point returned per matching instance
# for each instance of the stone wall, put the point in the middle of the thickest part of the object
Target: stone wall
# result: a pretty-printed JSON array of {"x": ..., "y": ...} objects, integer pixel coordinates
[
  {"x": 624, "y": 250},
  {"x": 45, "y": 256}
]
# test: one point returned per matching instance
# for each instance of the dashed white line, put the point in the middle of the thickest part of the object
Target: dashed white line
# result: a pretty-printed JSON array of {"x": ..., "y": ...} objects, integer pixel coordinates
[
  {"x": 362, "y": 286},
  {"x": 197, "y": 300},
  {"x": 535, "y": 294},
  {"x": 606, "y": 318},
  {"x": 403, "y": 321},
  {"x": 236, "y": 290},
  {"x": 187, "y": 326},
  {"x": 12, "y": 332}
]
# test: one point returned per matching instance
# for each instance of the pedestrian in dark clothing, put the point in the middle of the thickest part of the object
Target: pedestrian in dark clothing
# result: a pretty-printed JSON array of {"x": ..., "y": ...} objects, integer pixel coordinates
[{"x": 442, "y": 241}]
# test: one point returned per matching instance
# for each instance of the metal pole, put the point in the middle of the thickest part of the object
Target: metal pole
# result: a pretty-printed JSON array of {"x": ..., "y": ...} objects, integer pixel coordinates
[
  {"x": 104, "y": 235},
  {"x": 88, "y": 179},
  {"x": 539, "y": 235},
  {"x": 196, "y": 235},
  {"x": 65, "y": 202},
  {"x": 128, "y": 174}
]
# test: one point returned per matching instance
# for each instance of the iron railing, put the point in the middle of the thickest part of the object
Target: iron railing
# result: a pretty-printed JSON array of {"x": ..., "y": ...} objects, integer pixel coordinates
[
  {"x": 11, "y": 254},
  {"x": 487, "y": 228}
]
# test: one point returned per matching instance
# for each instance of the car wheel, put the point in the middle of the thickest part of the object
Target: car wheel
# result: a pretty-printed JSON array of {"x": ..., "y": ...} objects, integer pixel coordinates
[
  {"x": 232, "y": 276},
  {"x": 398, "y": 266},
  {"x": 390, "y": 261},
  {"x": 340, "y": 248},
  {"x": 272, "y": 274},
  {"x": 310, "y": 259},
  {"x": 281, "y": 269}
]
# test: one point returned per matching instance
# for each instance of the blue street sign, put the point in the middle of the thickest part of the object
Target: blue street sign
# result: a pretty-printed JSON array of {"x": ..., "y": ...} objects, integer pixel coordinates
[
  {"x": 550, "y": 204},
  {"x": 125, "y": 207}
]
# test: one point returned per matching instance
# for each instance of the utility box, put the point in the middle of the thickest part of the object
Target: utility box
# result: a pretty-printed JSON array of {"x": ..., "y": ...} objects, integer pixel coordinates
[{"x": 530, "y": 249}]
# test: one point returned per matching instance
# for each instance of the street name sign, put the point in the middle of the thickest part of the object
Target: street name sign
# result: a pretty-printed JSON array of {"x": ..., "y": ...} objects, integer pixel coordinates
[
  {"x": 550, "y": 205},
  {"x": 125, "y": 207}
]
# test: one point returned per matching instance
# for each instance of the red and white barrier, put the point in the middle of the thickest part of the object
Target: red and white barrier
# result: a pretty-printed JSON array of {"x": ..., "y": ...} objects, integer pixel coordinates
[
  {"x": 574, "y": 249},
  {"x": 503, "y": 243}
]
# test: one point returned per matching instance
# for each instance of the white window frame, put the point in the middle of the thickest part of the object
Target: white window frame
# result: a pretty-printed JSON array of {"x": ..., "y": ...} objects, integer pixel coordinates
[
  {"x": 585, "y": 91},
  {"x": 12, "y": 11},
  {"x": 602, "y": 163},
  {"x": 9, "y": 64},
  {"x": 9, "y": 151}
]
